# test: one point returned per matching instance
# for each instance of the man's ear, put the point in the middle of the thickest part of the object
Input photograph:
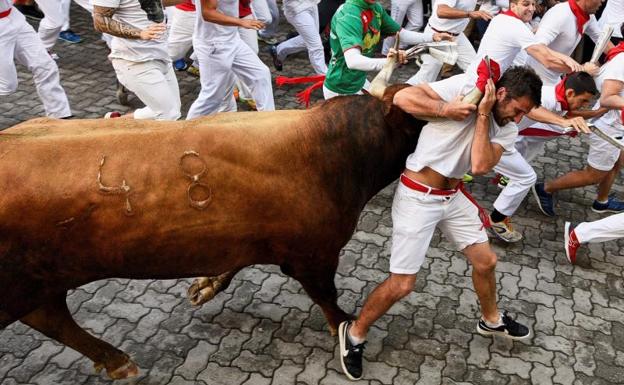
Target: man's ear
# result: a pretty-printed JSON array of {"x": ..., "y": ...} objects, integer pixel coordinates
[
  {"x": 501, "y": 93},
  {"x": 569, "y": 93}
]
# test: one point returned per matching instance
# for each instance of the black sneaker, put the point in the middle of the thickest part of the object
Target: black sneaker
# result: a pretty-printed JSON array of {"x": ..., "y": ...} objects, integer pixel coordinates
[
  {"x": 509, "y": 328},
  {"x": 277, "y": 63},
  {"x": 122, "y": 94},
  {"x": 350, "y": 355}
]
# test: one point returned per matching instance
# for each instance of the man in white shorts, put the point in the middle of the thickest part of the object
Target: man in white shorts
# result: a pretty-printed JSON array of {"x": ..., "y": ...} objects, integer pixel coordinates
[
  {"x": 222, "y": 54},
  {"x": 452, "y": 17},
  {"x": 508, "y": 35},
  {"x": 139, "y": 54},
  {"x": 430, "y": 195},
  {"x": 603, "y": 230},
  {"x": 604, "y": 160},
  {"x": 574, "y": 92},
  {"x": 19, "y": 41}
]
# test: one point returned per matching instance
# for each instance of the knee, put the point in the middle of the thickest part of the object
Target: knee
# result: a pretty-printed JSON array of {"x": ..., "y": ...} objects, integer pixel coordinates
[
  {"x": 485, "y": 263},
  {"x": 401, "y": 284}
]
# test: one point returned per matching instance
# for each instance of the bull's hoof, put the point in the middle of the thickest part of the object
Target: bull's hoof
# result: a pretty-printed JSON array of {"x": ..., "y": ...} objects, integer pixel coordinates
[
  {"x": 201, "y": 291},
  {"x": 126, "y": 370}
]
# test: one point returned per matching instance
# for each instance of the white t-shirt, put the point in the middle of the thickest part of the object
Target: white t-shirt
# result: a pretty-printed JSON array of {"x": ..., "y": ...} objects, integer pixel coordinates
[
  {"x": 207, "y": 33},
  {"x": 558, "y": 31},
  {"x": 549, "y": 102},
  {"x": 445, "y": 146},
  {"x": 452, "y": 25},
  {"x": 612, "y": 70},
  {"x": 613, "y": 15},
  {"x": 494, "y": 7},
  {"x": 6, "y": 4},
  {"x": 503, "y": 40},
  {"x": 130, "y": 12}
]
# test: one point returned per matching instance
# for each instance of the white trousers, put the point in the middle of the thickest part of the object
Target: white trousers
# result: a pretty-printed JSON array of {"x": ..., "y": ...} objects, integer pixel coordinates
[
  {"x": 155, "y": 84},
  {"x": 271, "y": 28},
  {"x": 19, "y": 41},
  {"x": 602, "y": 230},
  {"x": 521, "y": 177},
  {"x": 306, "y": 23},
  {"x": 399, "y": 10},
  {"x": 261, "y": 11},
  {"x": 52, "y": 24},
  {"x": 181, "y": 28},
  {"x": 218, "y": 63},
  {"x": 249, "y": 37},
  {"x": 431, "y": 67}
]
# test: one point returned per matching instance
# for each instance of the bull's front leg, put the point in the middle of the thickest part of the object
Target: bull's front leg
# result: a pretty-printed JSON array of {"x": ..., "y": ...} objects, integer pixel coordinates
[
  {"x": 318, "y": 281},
  {"x": 55, "y": 321},
  {"x": 204, "y": 289}
]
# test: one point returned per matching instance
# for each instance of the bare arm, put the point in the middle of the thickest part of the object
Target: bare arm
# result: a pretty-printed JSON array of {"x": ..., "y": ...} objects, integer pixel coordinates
[
  {"x": 423, "y": 101},
  {"x": 211, "y": 14},
  {"x": 553, "y": 60},
  {"x": 103, "y": 22},
  {"x": 446, "y": 12},
  {"x": 484, "y": 154},
  {"x": 610, "y": 95},
  {"x": 543, "y": 115},
  {"x": 588, "y": 114}
]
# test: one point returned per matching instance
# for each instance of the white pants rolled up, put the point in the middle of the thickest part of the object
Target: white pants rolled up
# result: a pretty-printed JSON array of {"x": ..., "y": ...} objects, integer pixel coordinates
[
  {"x": 603, "y": 230},
  {"x": 306, "y": 23},
  {"x": 521, "y": 177}
]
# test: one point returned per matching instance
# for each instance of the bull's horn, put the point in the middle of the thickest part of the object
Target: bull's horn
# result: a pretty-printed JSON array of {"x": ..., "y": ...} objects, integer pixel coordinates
[{"x": 380, "y": 82}]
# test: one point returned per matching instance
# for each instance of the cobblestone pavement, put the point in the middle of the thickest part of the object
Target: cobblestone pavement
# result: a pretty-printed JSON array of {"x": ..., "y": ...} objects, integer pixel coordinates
[{"x": 264, "y": 330}]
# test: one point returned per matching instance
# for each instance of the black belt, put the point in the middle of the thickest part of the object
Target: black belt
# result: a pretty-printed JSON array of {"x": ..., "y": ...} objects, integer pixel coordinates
[{"x": 450, "y": 33}]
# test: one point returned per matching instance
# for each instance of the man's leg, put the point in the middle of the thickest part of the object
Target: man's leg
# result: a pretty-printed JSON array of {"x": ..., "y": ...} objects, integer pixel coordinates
[
  {"x": 307, "y": 24},
  {"x": 483, "y": 261},
  {"x": 603, "y": 230},
  {"x": 8, "y": 39},
  {"x": 52, "y": 23},
  {"x": 180, "y": 38},
  {"x": 415, "y": 16},
  {"x": 398, "y": 10},
  {"x": 30, "y": 52},
  {"x": 255, "y": 74}
]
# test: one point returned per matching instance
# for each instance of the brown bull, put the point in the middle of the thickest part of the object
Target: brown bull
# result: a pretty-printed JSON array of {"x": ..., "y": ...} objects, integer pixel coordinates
[{"x": 85, "y": 200}]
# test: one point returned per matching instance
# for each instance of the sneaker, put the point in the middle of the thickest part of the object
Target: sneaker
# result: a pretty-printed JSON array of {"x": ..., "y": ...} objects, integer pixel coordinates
[
  {"x": 467, "y": 178},
  {"x": 571, "y": 242},
  {"x": 277, "y": 63},
  {"x": 30, "y": 11},
  {"x": 510, "y": 328},
  {"x": 249, "y": 103},
  {"x": 504, "y": 231},
  {"x": 70, "y": 37},
  {"x": 267, "y": 39},
  {"x": 544, "y": 200},
  {"x": 612, "y": 206},
  {"x": 180, "y": 65},
  {"x": 193, "y": 71},
  {"x": 350, "y": 355},
  {"x": 236, "y": 93},
  {"x": 112, "y": 115},
  {"x": 122, "y": 94},
  {"x": 53, "y": 55},
  {"x": 503, "y": 181}
]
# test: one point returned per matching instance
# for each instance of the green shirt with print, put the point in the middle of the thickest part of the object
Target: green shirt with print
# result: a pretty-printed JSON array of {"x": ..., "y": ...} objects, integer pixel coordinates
[{"x": 356, "y": 23}]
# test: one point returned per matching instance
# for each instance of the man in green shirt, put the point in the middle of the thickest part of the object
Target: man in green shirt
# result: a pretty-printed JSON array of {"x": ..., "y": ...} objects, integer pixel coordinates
[{"x": 356, "y": 30}]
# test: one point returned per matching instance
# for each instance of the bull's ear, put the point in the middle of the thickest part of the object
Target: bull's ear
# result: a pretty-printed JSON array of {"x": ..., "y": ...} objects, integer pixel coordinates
[
  {"x": 388, "y": 96},
  {"x": 380, "y": 82}
]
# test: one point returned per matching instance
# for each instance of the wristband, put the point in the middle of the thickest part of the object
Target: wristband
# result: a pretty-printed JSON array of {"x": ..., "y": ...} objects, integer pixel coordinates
[{"x": 482, "y": 114}]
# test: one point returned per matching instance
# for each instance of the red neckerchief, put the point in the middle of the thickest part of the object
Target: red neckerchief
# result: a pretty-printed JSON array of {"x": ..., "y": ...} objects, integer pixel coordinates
[
  {"x": 615, "y": 50},
  {"x": 367, "y": 17},
  {"x": 560, "y": 94},
  {"x": 511, "y": 13},
  {"x": 483, "y": 75},
  {"x": 582, "y": 17}
]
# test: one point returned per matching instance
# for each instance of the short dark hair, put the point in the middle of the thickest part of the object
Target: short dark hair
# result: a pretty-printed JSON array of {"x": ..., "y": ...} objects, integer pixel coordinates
[
  {"x": 522, "y": 81},
  {"x": 580, "y": 83}
]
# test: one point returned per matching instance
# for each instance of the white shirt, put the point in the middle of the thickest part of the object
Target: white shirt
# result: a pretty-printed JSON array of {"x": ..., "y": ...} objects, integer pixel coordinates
[
  {"x": 6, "y": 4},
  {"x": 130, "y": 12},
  {"x": 558, "y": 31},
  {"x": 505, "y": 37},
  {"x": 494, "y": 7},
  {"x": 549, "y": 102},
  {"x": 452, "y": 25},
  {"x": 445, "y": 146},
  {"x": 208, "y": 33},
  {"x": 612, "y": 70},
  {"x": 613, "y": 15}
]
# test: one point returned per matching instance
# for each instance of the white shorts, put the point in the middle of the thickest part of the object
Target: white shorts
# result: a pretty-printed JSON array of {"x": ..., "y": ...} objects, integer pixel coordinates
[
  {"x": 415, "y": 216},
  {"x": 603, "y": 155}
]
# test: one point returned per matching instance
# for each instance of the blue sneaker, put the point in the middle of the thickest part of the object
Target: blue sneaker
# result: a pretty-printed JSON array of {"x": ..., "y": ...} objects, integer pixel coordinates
[
  {"x": 70, "y": 37},
  {"x": 544, "y": 200},
  {"x": 180, "y": 65},
  {"x": 612, "y": 206}
]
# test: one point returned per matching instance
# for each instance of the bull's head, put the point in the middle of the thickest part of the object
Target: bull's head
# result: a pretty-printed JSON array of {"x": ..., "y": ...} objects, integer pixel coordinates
[{"x": 380, "y": 82}]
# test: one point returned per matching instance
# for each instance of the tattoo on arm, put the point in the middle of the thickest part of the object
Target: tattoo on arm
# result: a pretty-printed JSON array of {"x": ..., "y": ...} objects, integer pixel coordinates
[{"x": 103, "y": 22}]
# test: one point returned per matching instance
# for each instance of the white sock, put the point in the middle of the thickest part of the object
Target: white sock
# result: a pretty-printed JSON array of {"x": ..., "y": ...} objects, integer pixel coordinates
[
  {"x": 494, "y": 325},
  {"x": 354, "y": 340}
]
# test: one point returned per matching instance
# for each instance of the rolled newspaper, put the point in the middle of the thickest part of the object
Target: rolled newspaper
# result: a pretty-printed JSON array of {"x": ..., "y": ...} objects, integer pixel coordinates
[{"x": 601, "y": 44}]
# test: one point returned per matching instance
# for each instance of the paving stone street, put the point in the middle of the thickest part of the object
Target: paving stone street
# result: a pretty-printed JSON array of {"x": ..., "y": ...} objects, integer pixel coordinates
[{"x": 265, "y": 330}]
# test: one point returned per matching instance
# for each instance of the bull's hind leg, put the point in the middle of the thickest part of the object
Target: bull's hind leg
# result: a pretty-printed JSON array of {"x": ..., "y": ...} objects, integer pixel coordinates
[
  {"x": 317, "y": 278},
  {"x": 204, "y": 289},
  {"x": 55, "y": 321}
]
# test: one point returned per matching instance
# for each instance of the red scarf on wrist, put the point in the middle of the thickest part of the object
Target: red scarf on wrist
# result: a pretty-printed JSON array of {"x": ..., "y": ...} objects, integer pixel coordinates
[
  {"x": 511, "y": 13},
  {"x": 560, "y": 94},
  {"x": 483, "y": 75},
  {"x": 582, "y": 17}
]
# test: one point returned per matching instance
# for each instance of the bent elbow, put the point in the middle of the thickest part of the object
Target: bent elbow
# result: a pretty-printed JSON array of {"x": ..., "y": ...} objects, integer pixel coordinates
[
  {"x": 400, "y": 100},
  {"x": 479, "y": 169}
]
